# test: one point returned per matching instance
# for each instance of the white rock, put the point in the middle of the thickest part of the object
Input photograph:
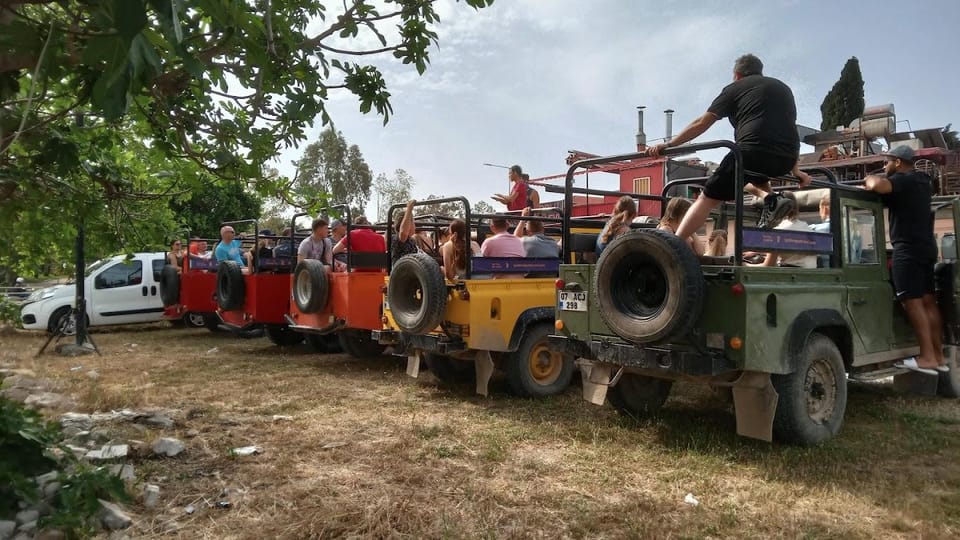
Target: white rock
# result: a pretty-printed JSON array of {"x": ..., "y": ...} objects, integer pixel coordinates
[
  {"x": 29, "y": 527},
  {"x": 247, "y": 451},
  {"x": 7, "y": 529},
  {"x": 93, "y": 374},
  {"x": 159, "y": 420},
  {"x": 51, "y": 489},
  {"x": 27, "y": 516},
  {"x": 278, "y": 417},
  {"x": 113, "y": 517},
  {"x": 190, "y": 509},
  {"x": 168, "y": 446},
  {"x": 214, "y": 350},
  {"x": 45, "y": 479},
  {"x": 48, "y": 400},
  {"x": 110, "y": 451},
  {"x": 78, "y": 451},
  {"x": 691, "y": 500},
  {"x": 81, "y": 422},
  {"x": 125, "y": 472},
  {"x": 192, "y": 433},
  {"x": 76, "y": 368},
  {"x": 151, "y": 495},
  {"x": 336, "y": 444}
]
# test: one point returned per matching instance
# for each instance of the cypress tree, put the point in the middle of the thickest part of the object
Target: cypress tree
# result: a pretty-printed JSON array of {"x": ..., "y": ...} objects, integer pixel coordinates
[{"x": 844, "y": 102}]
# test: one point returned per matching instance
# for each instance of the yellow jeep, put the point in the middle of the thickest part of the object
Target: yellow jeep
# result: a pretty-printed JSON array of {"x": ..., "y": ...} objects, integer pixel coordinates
[{"x": 491, "y": 322}]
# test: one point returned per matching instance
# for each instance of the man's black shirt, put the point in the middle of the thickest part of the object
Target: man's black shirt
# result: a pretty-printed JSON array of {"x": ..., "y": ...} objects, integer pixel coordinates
[
  {"x": 763, "y": 114},
  {"x": 911, "y": 219}
]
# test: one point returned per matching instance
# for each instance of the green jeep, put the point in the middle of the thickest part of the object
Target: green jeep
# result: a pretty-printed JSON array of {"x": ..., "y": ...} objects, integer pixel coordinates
[{"x": 785, "y": 340}]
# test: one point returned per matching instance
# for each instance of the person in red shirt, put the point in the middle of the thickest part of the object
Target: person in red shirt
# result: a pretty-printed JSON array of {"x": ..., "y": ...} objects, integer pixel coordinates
[
  {"x": 521, "y": 196},
  {"x": 361, "y": 240}
]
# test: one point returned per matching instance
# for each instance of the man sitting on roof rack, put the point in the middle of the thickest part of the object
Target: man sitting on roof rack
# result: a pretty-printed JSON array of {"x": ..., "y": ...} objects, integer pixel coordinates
[{"x": 764, "y": 116}]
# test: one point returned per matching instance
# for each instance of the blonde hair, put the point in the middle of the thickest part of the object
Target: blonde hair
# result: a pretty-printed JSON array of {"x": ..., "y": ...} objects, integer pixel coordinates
[
  {"x": 676, "y": 209},
  {"x": 623, "y": 213},
  {"x": 717, "y": 244}
]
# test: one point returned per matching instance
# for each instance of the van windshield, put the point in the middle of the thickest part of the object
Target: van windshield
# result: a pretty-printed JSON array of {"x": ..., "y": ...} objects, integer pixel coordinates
[{"x": 94, "y": 266}]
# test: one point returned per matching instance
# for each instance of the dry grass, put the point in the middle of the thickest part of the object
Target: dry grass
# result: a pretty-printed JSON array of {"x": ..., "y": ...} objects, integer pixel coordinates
[{"x": 425, "y": 461}]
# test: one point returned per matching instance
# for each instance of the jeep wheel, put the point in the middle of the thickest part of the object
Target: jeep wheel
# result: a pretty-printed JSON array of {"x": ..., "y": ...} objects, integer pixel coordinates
[
  {"x": 534, "y": 369},
  {"x": 648, "y": 287},
  {"x": 193, "y": 319},
  {"x": 169, "y": 286},
  {"x": 311, "y": 286},
  {"x": 211, "y": 322},
  {"x": 417, "y": 293},
  {"x": 283, "y": 335},
  {"x": 358, "y": 344},
  {"x": 231, "y": 289},
  {"x": 324, "y": 343},
  {"x": 639, "y": 396},
  {"x": 813, "y": 398},
  {"x": 449, "y": 370}
]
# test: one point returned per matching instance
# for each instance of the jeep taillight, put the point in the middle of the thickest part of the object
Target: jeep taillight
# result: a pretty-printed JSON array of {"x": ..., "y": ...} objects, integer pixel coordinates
[
  {"x": 737, "y": 289},
  {"x": 560, "y": 283}
]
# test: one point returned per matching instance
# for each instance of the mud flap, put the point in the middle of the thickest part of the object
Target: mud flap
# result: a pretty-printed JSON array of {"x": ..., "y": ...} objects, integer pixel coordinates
[
  {"x": 596, "y": 380},
  {"x": 413, "y": 364},
  {"x": 484, "y": 366},
  {"x": 755, "y": 402}
]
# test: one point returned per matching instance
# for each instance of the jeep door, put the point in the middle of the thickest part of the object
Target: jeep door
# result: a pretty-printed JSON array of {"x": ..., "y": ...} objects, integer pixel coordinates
[
  {"x": 120, "y": 295},
  {"x": 870, "y": 298}
]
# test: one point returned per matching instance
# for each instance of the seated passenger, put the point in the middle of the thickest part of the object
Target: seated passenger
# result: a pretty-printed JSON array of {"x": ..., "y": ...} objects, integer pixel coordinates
[
  {"x": 360, "y": 241},
  {"x": 824, "y": 225},
  {"x": 284, "y": 247},
  {"x": 454, "y": 252},
  {"x": 230, "y": 249},
  {"x": 265, "y": 247},
  {"x": 175, "y": 255},
  {"x": 536, "y": 244},
  {"x": 717, "y": 244},
  {"x": 673, "y": 215},
  {"x": 198, "y": 249},
  {"x": 790, "y": 222},
  {"x": 623, "y": 213},
  {"x": 403, "y": 242},
  {"x": 502, "y": 244},
  {"x": 317, "y": 245}
]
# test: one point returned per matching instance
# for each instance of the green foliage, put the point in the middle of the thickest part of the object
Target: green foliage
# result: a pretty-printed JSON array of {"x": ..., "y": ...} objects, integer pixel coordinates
[
  {"x": 203, "y": 209},
  {"x": 951, "y": 138},
  {"x": 844, "y": 102},
  {"x": 24, "y": 438},
  {"x": 331, "y": 171},
  {"x": 77, "y": 504},
  {"x": 392, "y": 191},
  {"x": 9, "y": 312},
  {"x": 450, "y": 209}
]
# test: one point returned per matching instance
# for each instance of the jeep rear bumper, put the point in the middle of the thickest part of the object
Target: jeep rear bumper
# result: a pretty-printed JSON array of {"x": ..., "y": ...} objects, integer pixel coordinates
[
  {"x": 402, "y": 341},
  {"x": 667, "y": 361}
]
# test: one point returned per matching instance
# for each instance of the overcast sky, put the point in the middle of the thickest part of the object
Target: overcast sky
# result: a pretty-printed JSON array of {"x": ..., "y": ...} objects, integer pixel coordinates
[{"x": 526, "y": 80}]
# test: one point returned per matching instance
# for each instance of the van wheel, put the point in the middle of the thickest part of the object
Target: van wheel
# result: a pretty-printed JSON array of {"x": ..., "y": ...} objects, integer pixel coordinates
[
  {"x": 449, "y": 370},
  {"x": 63, "y": 318},
  {"x": 417, "y": 293},
  {"x": 639, "y": 396},
  {"x": 193, "y": 320},
  {"x": 311, "y": 286},
  {"x": 534, "y": 369},
  {"x": 358, "y": 344},
  {"x": 813, "y": 399},
  {"x": 649, "y": 287},
  {"x": 211, "y": 322},
  {"x": 324, "y": 343},
  {"x": 231, "y": 289},
  {"x": 283, "y": 335},
  {"x": 169, "y": 286}
]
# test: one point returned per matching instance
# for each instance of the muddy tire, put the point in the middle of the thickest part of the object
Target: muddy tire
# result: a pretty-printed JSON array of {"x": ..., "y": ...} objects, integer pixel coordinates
[
  {"x": 534, "y": 369},
  {"x": 231, "y": 289},
  {"x": 649, "y": 287},
  {"x": 169, "y": 286},
  {"x": 639, "y": 396},
  {"x": 283, "y": 335},
  {"x": 450, "y": 370},
  {"x": 417, "y": 293},
  {"x": 324, "y": 343},
  {"x": 192, "y": 319},
  {"x": 358, "y": 344},
  {"x": 813, "y": 399},
  {"x": 311, "y": 286},
  {"x": 63, "y": 317},
  {"x": 211, "y": 322}
]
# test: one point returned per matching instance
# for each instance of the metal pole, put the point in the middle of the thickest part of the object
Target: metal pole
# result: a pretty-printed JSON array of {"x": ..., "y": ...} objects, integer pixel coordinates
[
  {"x": 587, "y": 175},
  {"x": 81, "y": 300}
]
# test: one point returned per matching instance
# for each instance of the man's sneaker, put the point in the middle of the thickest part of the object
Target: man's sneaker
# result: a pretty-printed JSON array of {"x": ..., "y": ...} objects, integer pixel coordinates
[{"x": 775, "y": 207}]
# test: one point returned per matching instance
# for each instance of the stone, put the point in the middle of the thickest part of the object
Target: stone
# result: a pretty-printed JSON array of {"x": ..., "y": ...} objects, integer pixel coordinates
[
  {"x": 78, "y": 451},
  {"x": 151, "y": 495},
  {"x": 50, "y": 534},
  {"x": 10, "y": 372},
  {"x": 51, "y": 489},
  {"x": 110, "y": 451},
  {"x": 28, "y": 382},
  {"x": 43, "y": 507},
  {"x": 78, "y": 421},
  {"x": 192, "y": 433},
  {"x": 45, "y": 479},
  {"x": 7, "y": 528},
  {"x": 15, "y": 394},
  {"x": 29, "y": 527},
  {"x": 27, "y": 516},
  {"x": 23, "y": 536},
  {"x": 159, "y": 420},
  {"x": 74, "y": 350},
  {"x": 125, "y": 472},
  {"x": 93, "y": 374},
  {"x": 49, "y": 400},
  {"x": 113, "y": 517},
  {"x": 168, "y": 446}
]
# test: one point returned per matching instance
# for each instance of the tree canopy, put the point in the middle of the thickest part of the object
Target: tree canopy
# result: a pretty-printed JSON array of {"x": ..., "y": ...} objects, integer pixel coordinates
[
  {"x": 844, "y": 101},
  {"x": 329, "y": 170},
  {"x": 392, "y": 191},
  {"x": 173, "y": 93}
]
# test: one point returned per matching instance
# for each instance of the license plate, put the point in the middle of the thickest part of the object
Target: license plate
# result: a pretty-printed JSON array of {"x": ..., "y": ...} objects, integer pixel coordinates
[{"x": 572, "y": 301}]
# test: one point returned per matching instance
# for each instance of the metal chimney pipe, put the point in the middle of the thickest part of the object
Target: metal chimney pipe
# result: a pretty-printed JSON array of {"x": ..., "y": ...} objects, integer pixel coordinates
[
  {"x": 669, "y": 113},
  {"x": 641, "y": 136}
]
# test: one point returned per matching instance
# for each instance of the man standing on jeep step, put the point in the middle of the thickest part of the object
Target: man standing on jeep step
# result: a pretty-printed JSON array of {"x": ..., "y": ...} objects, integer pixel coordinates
[
  {"x": 764, "y": 118},
  {"x": 906, "y": 192}
]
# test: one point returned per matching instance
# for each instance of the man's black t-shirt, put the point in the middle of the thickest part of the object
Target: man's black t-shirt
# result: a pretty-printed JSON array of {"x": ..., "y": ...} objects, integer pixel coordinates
[
  {"x": 763, "y": 114},
  {"x": 911, "y": 220}
]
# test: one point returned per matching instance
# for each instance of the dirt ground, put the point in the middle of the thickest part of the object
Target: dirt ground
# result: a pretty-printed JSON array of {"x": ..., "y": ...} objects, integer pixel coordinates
[{"x": 370, "y": 452}]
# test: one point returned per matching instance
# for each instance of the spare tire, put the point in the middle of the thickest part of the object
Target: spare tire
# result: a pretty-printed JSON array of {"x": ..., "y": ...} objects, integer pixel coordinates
[
  {"x": 648, "y": 287},
  {"x": 417, "y": 293},
  {"x": 311, "y": 286},
  {"x": 169, "y": 286},
  {"x": 231, "y": 290}
]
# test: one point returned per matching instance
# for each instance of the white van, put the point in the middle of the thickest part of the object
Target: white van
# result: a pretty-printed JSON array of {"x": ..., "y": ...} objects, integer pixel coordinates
[{"x": 118, "y": 290}]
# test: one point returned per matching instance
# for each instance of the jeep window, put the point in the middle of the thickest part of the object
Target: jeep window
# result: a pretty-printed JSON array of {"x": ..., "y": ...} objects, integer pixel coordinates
[
  {"x": 158, "y": 265},
  {"x": 859, "y": 236},
  {"x": 120, "y": 275}
]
